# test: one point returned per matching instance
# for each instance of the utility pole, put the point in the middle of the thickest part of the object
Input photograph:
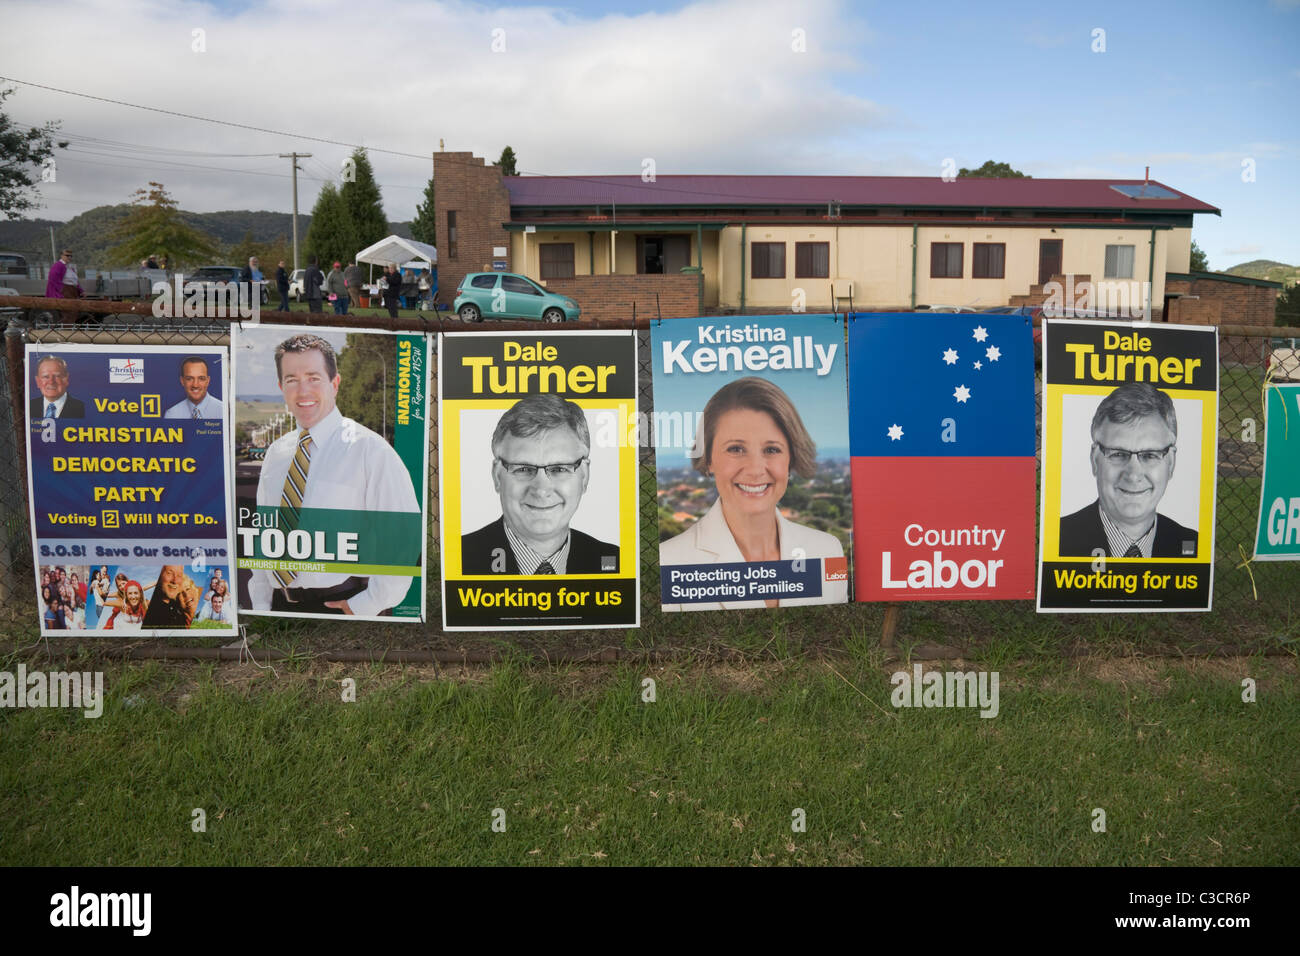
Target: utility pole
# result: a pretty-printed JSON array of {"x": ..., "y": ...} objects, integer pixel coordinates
[{"x": 295, "y": 157}]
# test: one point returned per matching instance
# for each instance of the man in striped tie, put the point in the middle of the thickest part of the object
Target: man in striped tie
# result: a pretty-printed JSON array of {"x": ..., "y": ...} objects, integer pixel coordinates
[
  {"x": 197, "y": 403},
  {"x": 329, "y": 463},
  {"x": 1134, "y": 447}
]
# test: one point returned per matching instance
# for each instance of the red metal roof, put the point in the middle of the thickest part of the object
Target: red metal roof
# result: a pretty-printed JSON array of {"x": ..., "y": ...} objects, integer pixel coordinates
[{"x": 910, "y": 191}]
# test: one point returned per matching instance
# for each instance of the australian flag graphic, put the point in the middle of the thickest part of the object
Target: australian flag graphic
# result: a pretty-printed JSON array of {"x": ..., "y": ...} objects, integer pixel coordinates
[{"x": 941, "y": 428}]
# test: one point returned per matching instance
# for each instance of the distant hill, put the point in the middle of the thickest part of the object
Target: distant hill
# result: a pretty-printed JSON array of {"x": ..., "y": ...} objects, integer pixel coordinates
[
  {"x": 87, "y": 234},
  {"x": 1267, "y": 269}
]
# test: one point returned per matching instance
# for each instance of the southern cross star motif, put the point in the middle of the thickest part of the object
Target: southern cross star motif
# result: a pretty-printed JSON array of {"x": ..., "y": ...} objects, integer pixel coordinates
[
  {"x": 895, "y": 432},
  {"x": 992, "y": 353},
  {"x": 962, "y": 393},
  {"x": 978, "y": 365},
  {"x": 980, "y": 333},
  {"x": 950, "y": 357}
]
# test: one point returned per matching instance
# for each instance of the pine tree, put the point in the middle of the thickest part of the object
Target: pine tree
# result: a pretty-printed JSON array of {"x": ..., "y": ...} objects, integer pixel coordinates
[
  {"x": 330, "y": 238},
  {"x": 424, "y": 227},
  {"x": 361, "y": 197},
  {"x": 507, "y": 162},
  {"x": 154, "y": 226}
]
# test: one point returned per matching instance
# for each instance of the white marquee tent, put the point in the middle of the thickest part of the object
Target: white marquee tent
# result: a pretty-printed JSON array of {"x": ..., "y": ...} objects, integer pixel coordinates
[{"x": 396, "y": 251}]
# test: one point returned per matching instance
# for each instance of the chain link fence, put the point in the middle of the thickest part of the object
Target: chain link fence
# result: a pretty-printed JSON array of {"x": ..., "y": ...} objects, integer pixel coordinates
[{"x": 1241, "y": 588}]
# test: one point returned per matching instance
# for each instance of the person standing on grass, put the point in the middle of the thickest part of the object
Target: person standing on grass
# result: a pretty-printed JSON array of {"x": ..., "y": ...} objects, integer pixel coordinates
[
  {"x": 352, "y": 276},
  {"x": 282, "y": 286},
  {"x": 393, "y": 290},
  {"x": 337, "y": 287},
  {"x": 312, "y": 280}
]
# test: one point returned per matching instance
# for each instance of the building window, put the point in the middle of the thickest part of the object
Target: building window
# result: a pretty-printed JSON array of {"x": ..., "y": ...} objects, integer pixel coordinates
[
  {"x": 1119, "y": 262},
  {"x": 988, "y": 260},
  {"x": 451, "y": 234},
  {"x": 557, "y": 260},
  {"x": 945, "y": 260},
  {"x": 812, "y": 260},
  {"x": 767, "y": 261}
]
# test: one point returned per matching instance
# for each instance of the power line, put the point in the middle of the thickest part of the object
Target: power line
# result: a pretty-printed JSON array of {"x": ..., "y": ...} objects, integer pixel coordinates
[{"x": 208, "y": 119}]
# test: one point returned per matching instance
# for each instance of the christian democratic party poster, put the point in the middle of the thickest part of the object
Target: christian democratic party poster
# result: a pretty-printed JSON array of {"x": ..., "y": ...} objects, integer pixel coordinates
[
  {"x": 1130, "y": 421},
  {"x": 330, "y": 483},
  {"x": 538, "y": 469},
  {"x": 1278, "y": 536},
  {"x": 129, "y": 491},
  {"x": 942, "y": 413},
  {"x": 751, "y": 449}
]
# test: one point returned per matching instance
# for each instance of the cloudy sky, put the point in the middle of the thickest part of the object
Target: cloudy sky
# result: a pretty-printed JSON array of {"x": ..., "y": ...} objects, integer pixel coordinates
[{"x": 1203, "y": 93}]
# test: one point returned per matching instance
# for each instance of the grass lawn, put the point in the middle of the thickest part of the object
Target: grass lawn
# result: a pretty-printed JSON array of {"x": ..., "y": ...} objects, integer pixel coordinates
[{"x": 711, "y": 772}]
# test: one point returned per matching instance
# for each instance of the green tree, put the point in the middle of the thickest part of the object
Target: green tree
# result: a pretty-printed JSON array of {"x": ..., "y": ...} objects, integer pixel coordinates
[
  {"x": 155, "y": 226},
  {"x": 1288, "y": 307},
  {"x": 1200, "y": 262},
  {"x": 330, "y": 237},
  {"x": 21, "y": 152},
  {"x": 507, "y": 162},
  {"x": 360, "y": 195},
  {"x": 992, "y": 170},
  {"x": 424, "y": 227},
  {"x": 367, "y": 372}
]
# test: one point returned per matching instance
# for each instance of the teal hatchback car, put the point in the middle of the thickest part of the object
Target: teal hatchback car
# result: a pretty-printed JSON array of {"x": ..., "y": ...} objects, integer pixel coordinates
[{"x": 505, "y": 295}]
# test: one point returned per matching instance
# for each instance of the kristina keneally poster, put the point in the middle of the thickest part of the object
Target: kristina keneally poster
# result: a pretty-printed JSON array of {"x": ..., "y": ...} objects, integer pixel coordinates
[
  {"x": 538, "y": 469},
  {"x": 129, "y": 488},
  {"x": 942, "y": 412},
  {"x": 750, "y": 429},
  {"x": 331, "y": 472},
  {"x": 1130, "y": 428}
]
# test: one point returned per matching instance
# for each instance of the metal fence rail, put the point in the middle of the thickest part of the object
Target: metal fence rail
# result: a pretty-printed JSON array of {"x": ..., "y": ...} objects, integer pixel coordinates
[{"x": 1242, "y": 368}]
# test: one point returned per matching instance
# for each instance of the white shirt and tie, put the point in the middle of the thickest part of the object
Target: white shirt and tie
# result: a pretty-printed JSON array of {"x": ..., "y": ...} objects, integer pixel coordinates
[
  {"x": 208, "y": 408},
  {"x": 54, "y": 409},
  {"x": 353, "y": 469}
]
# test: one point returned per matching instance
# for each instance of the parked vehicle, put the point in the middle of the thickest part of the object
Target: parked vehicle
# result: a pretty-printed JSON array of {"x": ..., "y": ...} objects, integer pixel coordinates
[
  {"x": 13, "y": 264},
  {"x": 505, "y": 295},
  {"x": 220, "y": 275},
  {"x": 296, "y": 279}
]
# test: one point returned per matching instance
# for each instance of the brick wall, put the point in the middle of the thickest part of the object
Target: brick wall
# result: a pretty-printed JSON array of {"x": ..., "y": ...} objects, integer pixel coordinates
[
  {"x": 1220, "y": 302},
  {"x": 466, "y": 184},
  {"x": 612, "y": 297}
]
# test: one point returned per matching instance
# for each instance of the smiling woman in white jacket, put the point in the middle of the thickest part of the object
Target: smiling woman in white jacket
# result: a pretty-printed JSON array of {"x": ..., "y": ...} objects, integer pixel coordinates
[{"x": 750, "y": 439}]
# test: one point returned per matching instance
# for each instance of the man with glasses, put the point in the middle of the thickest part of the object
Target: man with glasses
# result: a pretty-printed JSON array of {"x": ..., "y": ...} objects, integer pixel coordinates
[
  {"x": 1134, "y": 448},
  {"x": 54, "y": 400},
  {"x": 540, "y": 468}
]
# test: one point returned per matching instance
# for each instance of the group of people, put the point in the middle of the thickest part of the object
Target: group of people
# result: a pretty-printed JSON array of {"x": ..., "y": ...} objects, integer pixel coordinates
[
  {"x": 63, "y": 599},
  {"x": 343, "y": 286},
  {"x": 119, "y": 603}
]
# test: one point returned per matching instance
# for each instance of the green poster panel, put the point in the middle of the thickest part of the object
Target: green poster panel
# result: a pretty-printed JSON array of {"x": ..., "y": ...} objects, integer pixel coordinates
[{"x": 1278, "y": 537}]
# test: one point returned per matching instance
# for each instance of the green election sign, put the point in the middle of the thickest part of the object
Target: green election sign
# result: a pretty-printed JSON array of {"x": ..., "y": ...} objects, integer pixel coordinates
[{"x": 1278, "y": 537}]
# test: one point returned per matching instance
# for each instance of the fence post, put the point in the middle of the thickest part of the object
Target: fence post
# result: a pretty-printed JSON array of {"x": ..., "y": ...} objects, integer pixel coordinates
[{"x": 13, "y": 467}]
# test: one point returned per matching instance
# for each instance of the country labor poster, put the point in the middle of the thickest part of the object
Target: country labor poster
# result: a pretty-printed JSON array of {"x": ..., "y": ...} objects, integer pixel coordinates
[
  {"x": 331, "y": 472},
  {"x": 129, "y": 489},
  {"x": 942, "y": 430},
  {"x": 1130, "y": 426},
  {"x": 751, "y": 439},
  {"x": 538, "y": 467},
  {"x": 1278, "y": 536}
]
